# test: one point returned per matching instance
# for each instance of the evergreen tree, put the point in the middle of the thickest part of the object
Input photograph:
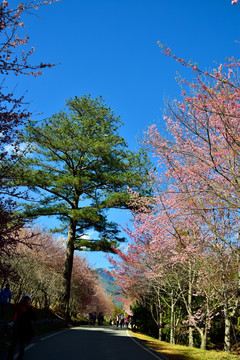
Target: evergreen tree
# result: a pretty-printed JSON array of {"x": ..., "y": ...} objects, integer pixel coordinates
[{"x": 80, "y": 166}]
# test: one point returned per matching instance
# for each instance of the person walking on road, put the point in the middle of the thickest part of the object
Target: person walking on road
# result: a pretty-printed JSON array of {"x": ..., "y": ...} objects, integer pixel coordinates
[
  {"x": 90, "y": 318},
  {"x": 127, "y": 321},
  {"x": 5, "y": 299},
  {"x": 23, "y": 327},
  {"x": 122, "y": 321},
  {"x": 94, "y": 318},
  {"x": 100, "y": 318}
]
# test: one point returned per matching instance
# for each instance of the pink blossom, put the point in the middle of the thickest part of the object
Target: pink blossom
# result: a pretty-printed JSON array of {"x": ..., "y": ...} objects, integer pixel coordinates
[{"x": 234, "y": 2}]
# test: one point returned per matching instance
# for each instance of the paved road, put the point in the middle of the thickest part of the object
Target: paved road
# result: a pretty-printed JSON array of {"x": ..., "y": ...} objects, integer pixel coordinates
[{"x": 88, "y": 343}]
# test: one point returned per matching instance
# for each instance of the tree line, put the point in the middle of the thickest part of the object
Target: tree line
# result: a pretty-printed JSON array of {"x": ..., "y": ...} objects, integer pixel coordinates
[
  {"x": 37, "y": 269},
  {"x": 183, "y": 262}
]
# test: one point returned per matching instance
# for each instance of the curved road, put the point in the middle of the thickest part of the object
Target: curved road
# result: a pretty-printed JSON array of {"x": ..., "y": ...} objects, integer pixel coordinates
[{"x": 88, "y": 343}]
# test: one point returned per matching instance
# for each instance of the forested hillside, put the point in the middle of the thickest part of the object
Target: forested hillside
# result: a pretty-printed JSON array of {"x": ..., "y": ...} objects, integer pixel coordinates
[{"x": 108, "y": 282}]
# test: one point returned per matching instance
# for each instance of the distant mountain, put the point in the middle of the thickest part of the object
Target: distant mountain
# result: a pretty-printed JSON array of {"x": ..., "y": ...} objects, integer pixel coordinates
[{"x": 108, "y": 282}]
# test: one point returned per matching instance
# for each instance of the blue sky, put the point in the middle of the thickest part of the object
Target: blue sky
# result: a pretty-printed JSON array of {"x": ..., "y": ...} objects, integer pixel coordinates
[{"x": 109, "y": 48}]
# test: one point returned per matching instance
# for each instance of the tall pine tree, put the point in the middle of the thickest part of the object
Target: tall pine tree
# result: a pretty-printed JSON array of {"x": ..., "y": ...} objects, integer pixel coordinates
[{"x": 80, "y": 167}]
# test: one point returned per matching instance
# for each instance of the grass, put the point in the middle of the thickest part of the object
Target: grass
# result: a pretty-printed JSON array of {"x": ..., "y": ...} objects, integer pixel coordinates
[{"x": 180, "y": 352}]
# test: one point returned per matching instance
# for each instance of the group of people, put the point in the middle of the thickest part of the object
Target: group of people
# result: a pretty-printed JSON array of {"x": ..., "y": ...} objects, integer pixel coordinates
[
  {"x": 121, "y": 321},
  {"x": 23, "y": 318},
  {"x": 93, "y": 317}
]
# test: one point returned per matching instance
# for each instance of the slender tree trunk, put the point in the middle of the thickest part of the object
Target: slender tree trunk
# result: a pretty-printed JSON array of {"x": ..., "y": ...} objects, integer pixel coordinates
[
  {"x": 203, "y": 340},
  {"x": 204, "y": 331},
  {"x": 190, "y": 336},
  {"x": 68, "y": 267},
  {"x": 227, "y": 316},
  {"x": 160, "y": 326},
  {"x": 227, "y": 335},
  {"x": 172, "y": 321},
  {"x": 46, "y": 301},
  {"x": 159, "y": 315},
  {"x": 227, "y": 320},
  {"x": 206, "y": 326}
]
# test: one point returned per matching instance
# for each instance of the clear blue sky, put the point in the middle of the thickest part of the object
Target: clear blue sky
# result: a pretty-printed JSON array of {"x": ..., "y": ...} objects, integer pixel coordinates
[{"x": 109, "y": 48}]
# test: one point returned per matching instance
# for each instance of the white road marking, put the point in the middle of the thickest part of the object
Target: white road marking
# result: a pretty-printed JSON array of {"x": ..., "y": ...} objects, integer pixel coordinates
[
  {"x": 31, "y": 345},
  {"x": 26, "y": 348},
  {"x": 49, "y": 336}
]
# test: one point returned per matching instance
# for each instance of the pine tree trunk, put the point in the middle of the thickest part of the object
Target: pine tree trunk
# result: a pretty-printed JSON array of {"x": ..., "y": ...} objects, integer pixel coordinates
[{"x": 68, "y": 267}]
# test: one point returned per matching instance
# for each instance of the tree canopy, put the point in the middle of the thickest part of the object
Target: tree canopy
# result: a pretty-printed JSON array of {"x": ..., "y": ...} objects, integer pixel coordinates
[{"x": 80, "y": 167}]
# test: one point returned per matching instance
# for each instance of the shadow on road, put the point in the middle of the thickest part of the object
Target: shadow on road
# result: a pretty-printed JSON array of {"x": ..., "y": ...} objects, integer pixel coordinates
[{"x": 89, "y": 343}]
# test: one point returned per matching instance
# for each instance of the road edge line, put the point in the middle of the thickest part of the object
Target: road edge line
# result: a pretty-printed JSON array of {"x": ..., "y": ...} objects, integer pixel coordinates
[{"x": 51, "y": 335}]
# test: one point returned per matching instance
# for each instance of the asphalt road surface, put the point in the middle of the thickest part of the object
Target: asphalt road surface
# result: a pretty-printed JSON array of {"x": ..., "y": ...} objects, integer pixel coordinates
[{"x": 88, "y": 343}]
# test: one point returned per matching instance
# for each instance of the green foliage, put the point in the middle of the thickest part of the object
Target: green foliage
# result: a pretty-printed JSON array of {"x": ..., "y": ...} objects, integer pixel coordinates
[
  {"x": 79, "y": 166},
  {"x": 144, "y": 321},
  {"x": 118, "y": 310}
]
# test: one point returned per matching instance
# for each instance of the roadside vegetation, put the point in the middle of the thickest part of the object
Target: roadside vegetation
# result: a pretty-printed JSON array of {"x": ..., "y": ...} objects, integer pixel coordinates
[
  {"x": 181, "y": 352},
  {"x": 182, "y": 263}
]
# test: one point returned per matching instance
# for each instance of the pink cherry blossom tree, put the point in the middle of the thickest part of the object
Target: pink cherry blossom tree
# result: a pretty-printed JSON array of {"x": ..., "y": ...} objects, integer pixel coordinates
[
  {"x": 194, "y": 216},
  {"x": 14, "y": 60},
  {"x": 201, "y": 156}
]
